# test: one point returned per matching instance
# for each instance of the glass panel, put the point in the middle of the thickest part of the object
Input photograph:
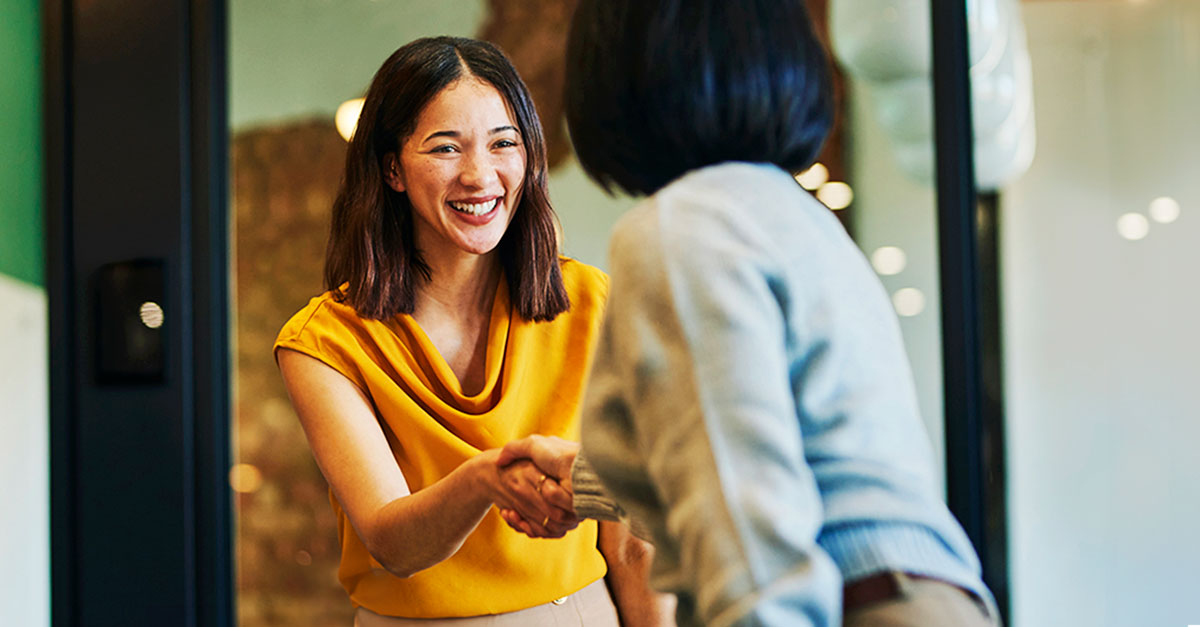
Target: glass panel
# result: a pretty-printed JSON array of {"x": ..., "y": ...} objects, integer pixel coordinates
[
  {"x": 887, "y": 113},
  {"x": 292, "y": 63},
  {"x": 1100, "y": 319}
]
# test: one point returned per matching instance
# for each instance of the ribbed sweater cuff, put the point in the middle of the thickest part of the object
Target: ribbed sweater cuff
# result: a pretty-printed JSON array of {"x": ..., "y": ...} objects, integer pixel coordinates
[
  {"x": 590, "y": 499},
  {"x": 863, "y": 549},
  {"x": 592, "y": 502}
]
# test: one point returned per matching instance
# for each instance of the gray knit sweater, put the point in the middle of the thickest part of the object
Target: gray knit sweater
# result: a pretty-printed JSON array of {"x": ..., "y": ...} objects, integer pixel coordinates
[{"x": 751, "y": 404}]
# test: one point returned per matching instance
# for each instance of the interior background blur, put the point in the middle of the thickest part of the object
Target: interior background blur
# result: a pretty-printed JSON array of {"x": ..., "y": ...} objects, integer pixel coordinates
[{"x": 1098, "y": 307}]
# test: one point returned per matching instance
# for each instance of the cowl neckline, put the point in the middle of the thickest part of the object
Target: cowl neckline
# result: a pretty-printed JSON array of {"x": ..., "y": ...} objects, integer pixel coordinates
[{"x": 430, "y": 368}]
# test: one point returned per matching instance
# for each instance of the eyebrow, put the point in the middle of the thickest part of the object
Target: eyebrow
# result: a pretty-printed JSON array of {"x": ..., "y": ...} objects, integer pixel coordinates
[{"x": 498, "y": 129}]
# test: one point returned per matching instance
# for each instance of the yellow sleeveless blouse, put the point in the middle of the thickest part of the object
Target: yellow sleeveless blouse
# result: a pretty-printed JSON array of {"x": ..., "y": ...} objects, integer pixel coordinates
[{"x": 535, "y": 374}]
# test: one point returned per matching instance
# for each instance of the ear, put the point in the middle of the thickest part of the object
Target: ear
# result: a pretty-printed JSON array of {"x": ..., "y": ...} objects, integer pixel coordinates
[{"x": 392, "y": 173}]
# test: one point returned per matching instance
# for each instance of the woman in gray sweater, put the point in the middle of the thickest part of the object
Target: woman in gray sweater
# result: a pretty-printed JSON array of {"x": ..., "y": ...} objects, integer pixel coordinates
[{"x": 750, "y": 402}]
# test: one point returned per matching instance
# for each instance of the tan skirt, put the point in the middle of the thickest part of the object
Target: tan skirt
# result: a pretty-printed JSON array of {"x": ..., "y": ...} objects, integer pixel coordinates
[{"x": 590, "y": 607}]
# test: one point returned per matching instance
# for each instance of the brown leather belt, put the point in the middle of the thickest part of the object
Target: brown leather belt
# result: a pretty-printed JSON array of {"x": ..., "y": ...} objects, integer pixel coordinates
[{"x": 884, "y": 586}]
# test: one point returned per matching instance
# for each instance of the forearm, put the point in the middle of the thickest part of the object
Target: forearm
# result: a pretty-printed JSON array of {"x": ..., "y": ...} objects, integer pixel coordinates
[
  {"x": 628, "y": 579},
  {"x": 405, "y": 532},
  {"x": 417, "y": 531},
  {"x": 639, "y": 605}
]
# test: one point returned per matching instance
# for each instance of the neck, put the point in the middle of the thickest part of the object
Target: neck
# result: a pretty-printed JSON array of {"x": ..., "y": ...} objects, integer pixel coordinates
[{"x": 462, "y": 283}]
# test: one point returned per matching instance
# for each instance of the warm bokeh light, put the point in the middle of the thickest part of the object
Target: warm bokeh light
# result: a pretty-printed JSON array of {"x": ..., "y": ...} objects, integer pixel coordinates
[
  {"x": 908, "y": 301},
  {"x": 245, "y": 478},
  {"x": 1133, "y": 226},
  {"x": 151, "y": 314},
  {"x": 835, "y": 195},
  {"x": 346, "y": 117},
  {"x": 1164, "y": 210},
  {"x": 814, "y": 177},
  {"x": 889, "y": 260}
]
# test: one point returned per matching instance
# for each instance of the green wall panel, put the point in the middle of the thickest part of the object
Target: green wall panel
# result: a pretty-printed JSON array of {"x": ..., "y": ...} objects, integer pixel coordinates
[{"x": 21, "y": 231}]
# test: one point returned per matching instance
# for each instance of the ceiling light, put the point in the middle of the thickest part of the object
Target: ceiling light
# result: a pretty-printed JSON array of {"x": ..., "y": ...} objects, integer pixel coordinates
[
  {"x": 245, "y": 478},
  {"x": 346, "y": 117},
  {"x": 835, "y": 195},
  {"x": 1133, "y": 226},
  {"x": 814, "y": 177},
  {"x": 908, "y": 301},
  {"x": 1164, "y": 210},
  {"x": 889, "y": 260}
]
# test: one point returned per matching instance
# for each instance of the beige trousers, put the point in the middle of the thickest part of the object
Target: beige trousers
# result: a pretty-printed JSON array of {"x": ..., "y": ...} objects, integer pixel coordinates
[
  {"x": 590, "y": 607},
  {"x": 924, "y": 603}
]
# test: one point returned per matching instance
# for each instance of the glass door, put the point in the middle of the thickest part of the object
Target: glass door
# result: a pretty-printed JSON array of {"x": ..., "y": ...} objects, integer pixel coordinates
[
  {"x": 293, "y": 65},
  {"x": 911, "y": 170}
]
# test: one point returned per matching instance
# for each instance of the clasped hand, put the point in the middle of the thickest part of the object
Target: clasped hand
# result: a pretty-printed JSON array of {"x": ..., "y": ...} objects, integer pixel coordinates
[{"x": 536, "y": 472}]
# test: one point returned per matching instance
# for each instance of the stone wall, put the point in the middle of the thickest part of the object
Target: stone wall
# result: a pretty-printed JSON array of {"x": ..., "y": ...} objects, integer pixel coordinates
[
  {"x": 533, "y": 34},
  {"x": 284, "y": 182}
]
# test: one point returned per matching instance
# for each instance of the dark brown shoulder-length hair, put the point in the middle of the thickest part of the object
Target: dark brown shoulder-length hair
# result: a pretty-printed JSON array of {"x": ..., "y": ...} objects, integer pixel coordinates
[{"x": 371, "y": 261}]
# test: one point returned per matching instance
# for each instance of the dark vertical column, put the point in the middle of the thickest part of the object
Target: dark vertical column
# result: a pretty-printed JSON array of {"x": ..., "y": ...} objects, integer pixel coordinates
[
  {"x": 60, "y": 277},
  {"x": 134, "y": 556},
  {"x": 974, "y": 490},
  {"x": 210, "y": 273},
  {"x": 136, "y": 220},
  {"x": 992, "y": 444}
]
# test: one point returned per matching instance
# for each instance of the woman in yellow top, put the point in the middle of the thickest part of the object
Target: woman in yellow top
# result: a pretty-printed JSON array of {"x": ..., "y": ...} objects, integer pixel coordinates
[{"x": 451, "y": 326}]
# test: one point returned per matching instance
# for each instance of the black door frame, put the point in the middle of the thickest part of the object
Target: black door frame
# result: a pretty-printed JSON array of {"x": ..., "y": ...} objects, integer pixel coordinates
[
  {"x": 972, "y": 366},
  {"x": 136, "y": 149},
  {"x": 141, "y": 511}
]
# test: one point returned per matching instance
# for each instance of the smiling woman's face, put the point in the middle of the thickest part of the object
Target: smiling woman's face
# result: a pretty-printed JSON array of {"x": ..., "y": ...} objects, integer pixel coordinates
[{"x": 462, "y": 168}]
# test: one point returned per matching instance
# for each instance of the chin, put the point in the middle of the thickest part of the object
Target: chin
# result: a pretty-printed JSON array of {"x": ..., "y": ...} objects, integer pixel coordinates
[{"x": 479, "y": 248}]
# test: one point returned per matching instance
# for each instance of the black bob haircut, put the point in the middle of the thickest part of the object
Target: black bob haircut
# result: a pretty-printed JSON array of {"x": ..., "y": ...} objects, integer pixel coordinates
[{"x": 656, "y": 88}]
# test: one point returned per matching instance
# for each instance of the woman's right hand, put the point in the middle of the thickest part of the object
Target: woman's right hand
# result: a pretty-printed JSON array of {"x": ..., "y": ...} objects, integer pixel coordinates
[
  {"x": 553, "y": 455},
  {"x": 521, "y": 490}
]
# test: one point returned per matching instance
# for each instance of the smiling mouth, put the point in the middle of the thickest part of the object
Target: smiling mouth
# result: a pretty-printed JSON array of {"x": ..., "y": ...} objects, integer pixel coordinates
[{"x": 475, "y": 209}]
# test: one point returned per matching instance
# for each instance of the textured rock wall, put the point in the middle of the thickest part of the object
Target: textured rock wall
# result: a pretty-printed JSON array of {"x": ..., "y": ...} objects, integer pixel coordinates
[
  {"x": 533, "y": 34},
  {"x": 284, "y": 179}
]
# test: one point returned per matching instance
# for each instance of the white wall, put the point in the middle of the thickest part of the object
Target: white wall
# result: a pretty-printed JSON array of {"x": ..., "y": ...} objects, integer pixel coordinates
[
  {"x": 1101, "y": 333},
  {"x": 24, "y": 449},
  {"x": 586, "y": 212},
  {"x": 294, "y": 59}
]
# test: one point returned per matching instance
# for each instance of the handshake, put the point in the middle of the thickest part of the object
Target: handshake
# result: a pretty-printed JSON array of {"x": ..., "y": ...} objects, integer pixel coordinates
[{"x": 536, "y": 472}]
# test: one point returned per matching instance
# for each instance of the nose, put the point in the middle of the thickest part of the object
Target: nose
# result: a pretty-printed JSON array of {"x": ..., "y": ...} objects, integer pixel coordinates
[{"x": 478, "y": 171}]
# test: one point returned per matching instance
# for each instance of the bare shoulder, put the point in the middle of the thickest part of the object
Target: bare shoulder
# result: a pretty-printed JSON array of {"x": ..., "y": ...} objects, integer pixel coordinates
[
  {"x": 305, "y": 374},
  {"x": 341, "y": 427}
]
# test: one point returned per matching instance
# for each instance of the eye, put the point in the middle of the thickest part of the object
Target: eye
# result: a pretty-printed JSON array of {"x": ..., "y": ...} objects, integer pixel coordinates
[
  {"x": 445, "y": 148},
  {"x": 505, "y": 143}
]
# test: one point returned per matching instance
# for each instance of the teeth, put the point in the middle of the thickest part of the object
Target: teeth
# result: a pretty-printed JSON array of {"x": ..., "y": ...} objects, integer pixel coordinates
[{"x": 475, "y": 209}]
